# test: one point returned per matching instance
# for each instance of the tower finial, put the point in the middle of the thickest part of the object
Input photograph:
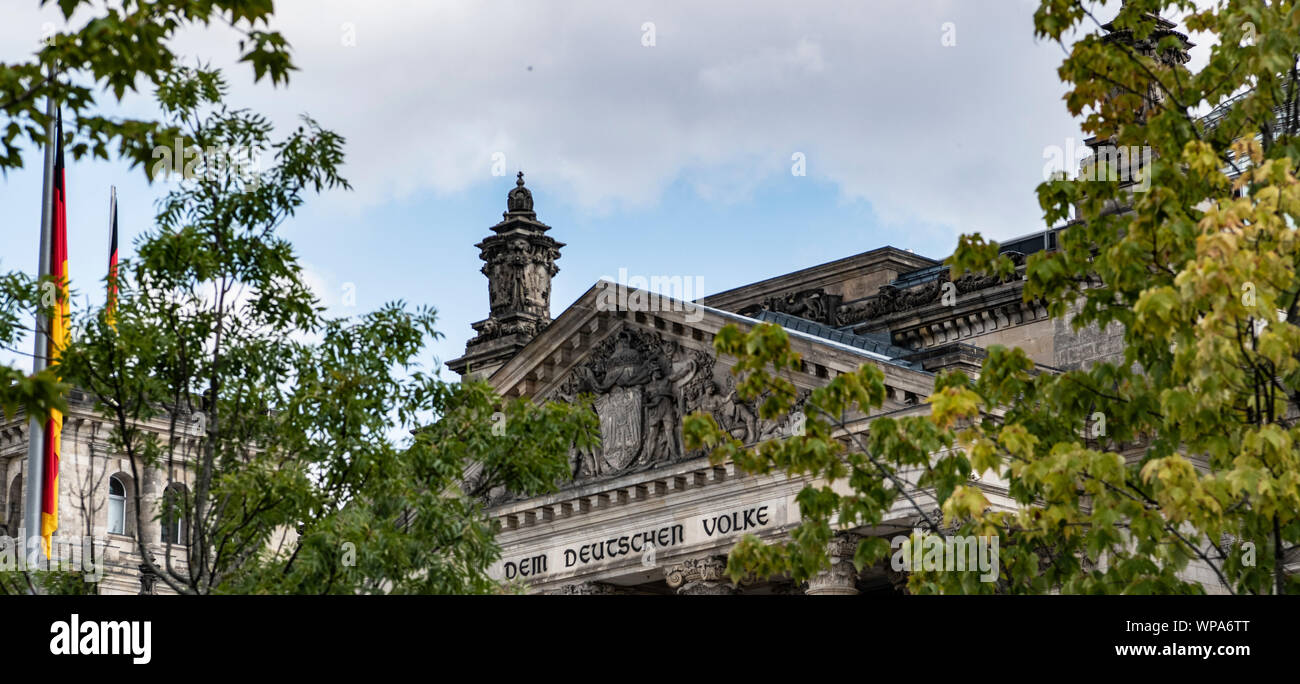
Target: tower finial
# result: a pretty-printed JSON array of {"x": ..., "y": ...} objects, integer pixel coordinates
[{"x": 519, "y": 199}]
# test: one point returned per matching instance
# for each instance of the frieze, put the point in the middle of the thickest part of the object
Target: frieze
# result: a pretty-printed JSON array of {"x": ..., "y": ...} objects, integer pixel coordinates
[
  {"x": 642, "y": 544},
  {"x": 814, "y": 305},
  {"x": 892, "y": 300}
]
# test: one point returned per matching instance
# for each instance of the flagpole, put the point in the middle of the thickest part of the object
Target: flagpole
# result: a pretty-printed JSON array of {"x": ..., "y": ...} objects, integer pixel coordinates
[{"x": 40, "y": 357}]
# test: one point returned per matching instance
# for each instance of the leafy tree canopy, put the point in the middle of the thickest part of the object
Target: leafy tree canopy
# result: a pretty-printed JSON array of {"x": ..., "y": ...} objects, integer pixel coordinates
[
  {"x": 309, "y": 454},
  {"x": 1199, "y": 459},
  {"x": 105, "y": 53}
]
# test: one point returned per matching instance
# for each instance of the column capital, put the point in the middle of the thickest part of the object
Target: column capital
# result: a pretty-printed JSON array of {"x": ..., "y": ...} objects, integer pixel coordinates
[
  {"x": 842, "y": 577},
  {"x": 700, "y": 576}
]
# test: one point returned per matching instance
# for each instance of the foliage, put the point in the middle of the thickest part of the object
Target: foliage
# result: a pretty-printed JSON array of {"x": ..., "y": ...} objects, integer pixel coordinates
[
  {"x": 114, "y": 51},
  {"x": 1198, "y": 460},
  {"x": 124, "y": 46},
  {"x": 33, "y": 394},
  {"x": 301, "y": 440}
]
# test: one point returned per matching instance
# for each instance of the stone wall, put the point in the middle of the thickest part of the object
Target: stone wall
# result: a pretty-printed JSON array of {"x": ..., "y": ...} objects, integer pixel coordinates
[
  {"x": 1077, "y": 349},
  {"x": 1035, "y": 338}
]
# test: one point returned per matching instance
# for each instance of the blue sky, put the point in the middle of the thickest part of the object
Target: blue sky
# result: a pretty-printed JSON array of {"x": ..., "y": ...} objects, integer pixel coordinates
[{"x": 664, "y": 159}]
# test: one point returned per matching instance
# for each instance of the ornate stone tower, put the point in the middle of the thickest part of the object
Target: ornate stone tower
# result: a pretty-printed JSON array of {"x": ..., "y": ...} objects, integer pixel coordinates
[
  {"x": 519, "y": 264},
  {"x": 1130, "y": 165}
]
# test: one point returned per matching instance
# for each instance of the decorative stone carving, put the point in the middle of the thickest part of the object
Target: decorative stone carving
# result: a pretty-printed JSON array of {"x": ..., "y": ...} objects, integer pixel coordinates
[
  {"x": 148, "y": 579},
  {"x": 814, "y": 305},
  {"x": 700, "y": 576},
  {"x": 740, "y": 418},
  {"x": 777, "y": 429},
  {"x": 897, "y": 579},
  {"x": 520, "y": 199},
  {"x": 644, "y": 385},
  {"x": 519, "y": 262},
  {"x": 892, "y": 300},
  {"x": 842, "y": 577}
]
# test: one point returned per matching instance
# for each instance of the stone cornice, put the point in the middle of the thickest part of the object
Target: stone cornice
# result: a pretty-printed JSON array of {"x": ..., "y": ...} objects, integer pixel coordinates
[
  {"x": 542, "y": 364},
  {"x": 693, "y": 475},
  {"x": 818, "y": 276},
  {"x": 974, "y": 313}
]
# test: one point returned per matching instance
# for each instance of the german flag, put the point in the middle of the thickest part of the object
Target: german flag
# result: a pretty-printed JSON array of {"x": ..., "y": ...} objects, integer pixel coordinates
[
  {"x": 59, "y": 324},
  {"x": 110, "y": 309}
]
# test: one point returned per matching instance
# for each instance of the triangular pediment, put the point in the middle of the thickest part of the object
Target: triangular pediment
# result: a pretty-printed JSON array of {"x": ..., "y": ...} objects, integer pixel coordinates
[
  {"x": 648, "y": 360},
  {"x": 590, "y": 327}
]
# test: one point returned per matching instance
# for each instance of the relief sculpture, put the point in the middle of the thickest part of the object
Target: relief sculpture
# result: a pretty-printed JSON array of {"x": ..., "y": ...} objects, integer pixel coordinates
[{"x": 643, "y": 386}]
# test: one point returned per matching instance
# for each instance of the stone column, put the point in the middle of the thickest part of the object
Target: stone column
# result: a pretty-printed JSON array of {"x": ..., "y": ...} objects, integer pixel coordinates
[
  {"x": 700, "y": 576},
  {"x": 842, "y": 578}
]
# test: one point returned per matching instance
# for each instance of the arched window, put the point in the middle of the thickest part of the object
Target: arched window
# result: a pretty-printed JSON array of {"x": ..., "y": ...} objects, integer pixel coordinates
[
  {"x": 174, "y": 529},
  {"x": 116, "y": 506}
]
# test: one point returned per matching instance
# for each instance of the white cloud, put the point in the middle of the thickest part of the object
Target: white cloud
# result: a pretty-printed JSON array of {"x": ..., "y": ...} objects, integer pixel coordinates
[
  {"x": 762, "y": 71},
  {"x": 426, "y": 93},
  {"x": 566, "y": 91}
]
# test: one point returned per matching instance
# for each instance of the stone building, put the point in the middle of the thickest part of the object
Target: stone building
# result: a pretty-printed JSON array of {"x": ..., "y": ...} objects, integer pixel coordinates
[
  {"x": 643, "y": 515},
  {"x": 97, "y": 511}
]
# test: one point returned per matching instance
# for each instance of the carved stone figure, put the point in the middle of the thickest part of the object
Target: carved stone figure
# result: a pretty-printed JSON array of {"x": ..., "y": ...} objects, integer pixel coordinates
[
  {"x": 814, "y": 305},
  {"x": 663, "y": 432},
  {"x": 731, "y": 414},
  {"x": 644, "y": 386}
]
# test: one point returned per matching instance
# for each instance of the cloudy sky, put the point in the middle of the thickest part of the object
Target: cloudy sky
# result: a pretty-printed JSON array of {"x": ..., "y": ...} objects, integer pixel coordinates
[{"x": 657, "y": 137}]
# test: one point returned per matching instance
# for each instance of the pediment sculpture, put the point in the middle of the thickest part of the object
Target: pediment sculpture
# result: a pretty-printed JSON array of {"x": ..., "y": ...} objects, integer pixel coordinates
[{"x": 643, "y": 386}]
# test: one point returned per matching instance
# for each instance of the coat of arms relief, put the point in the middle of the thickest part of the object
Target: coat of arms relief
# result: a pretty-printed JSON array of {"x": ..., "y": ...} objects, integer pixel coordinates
[{"x": 644, "y": 385}]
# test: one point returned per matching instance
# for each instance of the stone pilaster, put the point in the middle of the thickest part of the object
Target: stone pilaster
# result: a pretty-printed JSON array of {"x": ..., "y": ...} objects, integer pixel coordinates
[
  {"x": 149, "y": 492},
  {"x": 700, "y": 576},
  {"x": 842, "y": 577}
]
